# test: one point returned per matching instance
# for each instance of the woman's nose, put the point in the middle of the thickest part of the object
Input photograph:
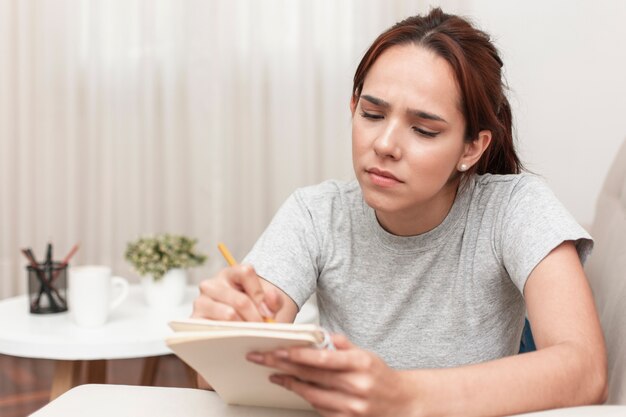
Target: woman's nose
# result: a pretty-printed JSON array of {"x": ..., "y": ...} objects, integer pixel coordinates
[{"x": 386, "y": 145}]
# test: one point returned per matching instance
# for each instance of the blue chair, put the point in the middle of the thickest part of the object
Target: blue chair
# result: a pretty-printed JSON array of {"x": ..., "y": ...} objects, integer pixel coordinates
[{"x": 527, "y": 343}]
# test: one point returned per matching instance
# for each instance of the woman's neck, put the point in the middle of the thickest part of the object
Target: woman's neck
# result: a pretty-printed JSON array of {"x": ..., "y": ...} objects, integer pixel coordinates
[{"x": 420, "y": 219}]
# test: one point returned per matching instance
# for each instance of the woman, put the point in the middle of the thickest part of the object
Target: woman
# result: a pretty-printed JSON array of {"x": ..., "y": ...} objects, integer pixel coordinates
[{"x": 428, "y": 262}]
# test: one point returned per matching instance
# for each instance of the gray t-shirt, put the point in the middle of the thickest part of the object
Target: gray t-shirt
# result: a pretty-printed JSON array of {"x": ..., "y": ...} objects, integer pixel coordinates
[{"x": 447, "y": 297}]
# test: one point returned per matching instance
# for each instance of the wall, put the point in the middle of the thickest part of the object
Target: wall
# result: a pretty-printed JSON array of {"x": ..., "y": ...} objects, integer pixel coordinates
[
  {"x": 566, "y": 66},
  {"x": 130, "y": 117}
]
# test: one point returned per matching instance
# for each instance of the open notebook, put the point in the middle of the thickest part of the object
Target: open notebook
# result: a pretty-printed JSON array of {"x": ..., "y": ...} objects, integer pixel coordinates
[{"x": 217, "y": 351}]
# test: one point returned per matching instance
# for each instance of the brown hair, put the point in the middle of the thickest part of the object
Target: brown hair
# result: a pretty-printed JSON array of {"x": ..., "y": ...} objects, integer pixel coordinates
[{"x": 478, "y": 70}]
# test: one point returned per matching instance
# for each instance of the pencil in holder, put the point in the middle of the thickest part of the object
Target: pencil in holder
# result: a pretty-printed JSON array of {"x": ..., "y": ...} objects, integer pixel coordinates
[{"x": 47, "y": 287}]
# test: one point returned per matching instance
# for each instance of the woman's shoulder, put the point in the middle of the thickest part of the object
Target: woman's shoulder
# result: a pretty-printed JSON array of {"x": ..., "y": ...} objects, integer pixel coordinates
[
  {"x": 519, "y": 196},
  {"x": 508, "y": 180},
  {"x": 511, "y": 185}
]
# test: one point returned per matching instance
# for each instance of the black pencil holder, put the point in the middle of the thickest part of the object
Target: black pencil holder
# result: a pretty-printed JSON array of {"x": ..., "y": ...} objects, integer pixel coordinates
[{"x": 47, "y": 288}]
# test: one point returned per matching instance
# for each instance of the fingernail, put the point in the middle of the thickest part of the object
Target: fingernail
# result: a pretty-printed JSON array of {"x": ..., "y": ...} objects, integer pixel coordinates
[
  {"x": 276, "y": 379},
  {"x": 265, "y": 311},
  {"x": 255, "y": 357},
  {"x": 281, "y": 353}
]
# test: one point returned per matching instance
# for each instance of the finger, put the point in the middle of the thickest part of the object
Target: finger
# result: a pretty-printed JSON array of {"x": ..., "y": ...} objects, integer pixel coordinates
[
  {"x": 245, "y": 278},
  {"x": 287, "y": 367},
  {"x": 207, "y": 308},
  {"x": 224, "y": 289},
  {"x": 349, "y": 382},
  {"x": 334, "y": 360},
  {"x": 241, "y": 303},
  {"x": 329, "y": 402},
  {"x": 346, "y": 357},
  {"x": 321, "y": 377},
  {"x": 341, "y": 342},
  {"x": 273, "y": 301}
]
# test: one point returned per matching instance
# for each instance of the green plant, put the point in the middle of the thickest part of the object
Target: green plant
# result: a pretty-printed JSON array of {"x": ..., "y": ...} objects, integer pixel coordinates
[{"x": 155, "y": 255}]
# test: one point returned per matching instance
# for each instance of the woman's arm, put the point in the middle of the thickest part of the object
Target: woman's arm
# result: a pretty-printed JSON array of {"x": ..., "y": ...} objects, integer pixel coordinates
[{"x": 569, "y": 367}]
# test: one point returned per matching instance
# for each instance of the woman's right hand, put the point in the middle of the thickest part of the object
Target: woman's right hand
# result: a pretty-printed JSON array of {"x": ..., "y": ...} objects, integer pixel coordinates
[{"x": 237, "y": 293}]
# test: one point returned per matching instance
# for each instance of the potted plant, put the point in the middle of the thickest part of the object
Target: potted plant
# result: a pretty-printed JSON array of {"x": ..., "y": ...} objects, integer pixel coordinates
[{"x": 162, "y": 261}]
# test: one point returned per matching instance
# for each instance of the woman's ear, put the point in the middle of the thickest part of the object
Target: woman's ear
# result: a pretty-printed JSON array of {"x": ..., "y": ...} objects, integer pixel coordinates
[
  {"x": 474, "y": 150},
  {"x": 353, "y": 101}
]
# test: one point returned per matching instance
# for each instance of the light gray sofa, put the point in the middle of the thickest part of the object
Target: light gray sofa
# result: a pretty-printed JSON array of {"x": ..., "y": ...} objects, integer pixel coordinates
[{"x": 606, "y": 270}]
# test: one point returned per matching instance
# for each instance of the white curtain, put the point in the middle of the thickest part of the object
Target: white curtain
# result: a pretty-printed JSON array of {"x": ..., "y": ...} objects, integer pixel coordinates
[{"x": 120, "y": 118}]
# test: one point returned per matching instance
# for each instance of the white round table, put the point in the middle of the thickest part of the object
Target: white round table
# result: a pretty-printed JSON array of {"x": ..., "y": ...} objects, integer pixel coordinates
[{"x": 133, "y": 330}]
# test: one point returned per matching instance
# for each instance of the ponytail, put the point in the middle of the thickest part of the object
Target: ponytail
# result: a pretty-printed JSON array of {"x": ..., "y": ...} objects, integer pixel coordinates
[{"x": 500, "y": 157}]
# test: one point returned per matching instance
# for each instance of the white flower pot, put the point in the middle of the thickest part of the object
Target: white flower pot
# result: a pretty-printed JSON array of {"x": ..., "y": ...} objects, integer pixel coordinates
[{"x": 166, "y": 292}]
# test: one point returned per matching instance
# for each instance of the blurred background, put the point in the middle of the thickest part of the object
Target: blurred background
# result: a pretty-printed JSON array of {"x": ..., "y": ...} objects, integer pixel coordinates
[{"x": 121, "y": 118}]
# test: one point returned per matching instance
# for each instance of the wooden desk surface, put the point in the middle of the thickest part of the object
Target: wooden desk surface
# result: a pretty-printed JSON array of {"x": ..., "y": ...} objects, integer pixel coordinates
[
  {"x": 130, "y": 400},
  {"x": 127, "y": 400}
]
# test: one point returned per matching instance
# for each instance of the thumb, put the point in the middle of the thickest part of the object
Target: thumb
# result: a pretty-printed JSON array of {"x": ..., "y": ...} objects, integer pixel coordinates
[
  {"x": 341, "y": 342},
  {"x": 272, "y": 301}
]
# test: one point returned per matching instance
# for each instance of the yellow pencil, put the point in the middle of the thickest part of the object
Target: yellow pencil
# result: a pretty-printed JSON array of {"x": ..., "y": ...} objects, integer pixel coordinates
[
  {"x": 231, "y": 262},
  {"x": 226, "y": 254}
]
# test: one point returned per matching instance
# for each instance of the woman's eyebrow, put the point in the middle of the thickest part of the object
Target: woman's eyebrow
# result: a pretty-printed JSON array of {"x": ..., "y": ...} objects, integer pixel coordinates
[
  {"x": 376, "y": 101},
  {"x": 425, "y": 115},
  {"x": 418, "y": 113}
]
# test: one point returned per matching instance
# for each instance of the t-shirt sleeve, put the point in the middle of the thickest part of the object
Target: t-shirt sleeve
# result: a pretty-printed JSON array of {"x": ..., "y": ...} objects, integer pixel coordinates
[
  {"x": 287, "y": 253},
  {"x": 534, "y": 223}
]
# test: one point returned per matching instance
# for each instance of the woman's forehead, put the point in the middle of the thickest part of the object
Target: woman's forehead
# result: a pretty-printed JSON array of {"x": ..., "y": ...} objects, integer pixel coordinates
[{"x": 413, "y": 76}]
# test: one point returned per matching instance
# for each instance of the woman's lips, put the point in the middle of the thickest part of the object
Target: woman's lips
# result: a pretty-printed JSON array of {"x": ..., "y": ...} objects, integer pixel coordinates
[{"x": 382, "y": 178}]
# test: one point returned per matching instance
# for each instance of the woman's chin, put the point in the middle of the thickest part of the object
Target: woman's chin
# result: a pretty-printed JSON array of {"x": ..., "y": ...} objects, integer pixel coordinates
[{"x": 380, "y": 202}]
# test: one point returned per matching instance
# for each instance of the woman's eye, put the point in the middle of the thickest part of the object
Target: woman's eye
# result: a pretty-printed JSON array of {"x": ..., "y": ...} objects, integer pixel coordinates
[
  {"x": 423, "y": 132},
  {"x": 371, "y": 116}
]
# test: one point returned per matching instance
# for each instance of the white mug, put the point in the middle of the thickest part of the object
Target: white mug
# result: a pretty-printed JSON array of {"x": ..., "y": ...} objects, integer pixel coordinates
[{"x": 91, "y": 294}]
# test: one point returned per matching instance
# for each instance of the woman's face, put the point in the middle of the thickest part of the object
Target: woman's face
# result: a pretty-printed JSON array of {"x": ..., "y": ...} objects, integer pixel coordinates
[{"x": 407, "y": 134}]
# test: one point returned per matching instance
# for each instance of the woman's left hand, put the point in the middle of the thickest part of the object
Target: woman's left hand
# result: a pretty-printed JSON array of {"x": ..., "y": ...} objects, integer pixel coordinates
[{"x": 347, "y": 381}]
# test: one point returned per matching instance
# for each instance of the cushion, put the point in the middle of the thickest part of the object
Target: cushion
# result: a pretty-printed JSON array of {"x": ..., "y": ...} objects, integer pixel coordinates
[{"x": 606, "y": 270}]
